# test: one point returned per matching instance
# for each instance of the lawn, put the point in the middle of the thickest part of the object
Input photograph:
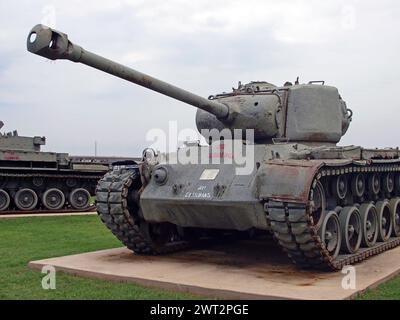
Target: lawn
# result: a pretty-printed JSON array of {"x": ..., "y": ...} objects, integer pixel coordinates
[
  {"x": 26, "y": 239},
  {"x": 387, "y": 291}
]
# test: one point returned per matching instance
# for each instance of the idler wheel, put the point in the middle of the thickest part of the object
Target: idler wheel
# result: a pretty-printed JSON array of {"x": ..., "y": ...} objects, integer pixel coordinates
[
  {"x": 374, "y": 184},
  {"x": 317, "y": 196},
  {"x": 358, "y": 185},
  {"x": 53, "y": 199},
  {"x": 394, "y": 205},
  {"x": 4, "y": 200},
  {"x": 384, "y": 220},
  {"x": 369, "y": 223},
  {"x": 388, "y": 182},
  {"x": 26, "y": 199},
  {"x": 339, "y": 187},
  {"x": 330, "y": 233},
  {"x": 350, "y": 228},
  {"x": 79, "y": 198}
]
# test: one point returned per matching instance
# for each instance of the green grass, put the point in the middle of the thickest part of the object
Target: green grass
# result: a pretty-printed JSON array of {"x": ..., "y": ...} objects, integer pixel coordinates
[
  {"x": 26, "y": 239},
  {"x": 387, "y": 291}
]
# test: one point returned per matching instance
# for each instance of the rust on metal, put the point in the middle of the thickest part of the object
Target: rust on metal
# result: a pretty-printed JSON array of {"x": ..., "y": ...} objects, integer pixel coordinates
[
  {"x": 288, "y": 181},
  {"x": 301, "y": 188}
]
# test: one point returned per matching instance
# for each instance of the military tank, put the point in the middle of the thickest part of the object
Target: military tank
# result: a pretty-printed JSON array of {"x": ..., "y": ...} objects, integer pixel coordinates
[
  {"x": 35, "y": 181},
  {"x": 326, "y": 205}
]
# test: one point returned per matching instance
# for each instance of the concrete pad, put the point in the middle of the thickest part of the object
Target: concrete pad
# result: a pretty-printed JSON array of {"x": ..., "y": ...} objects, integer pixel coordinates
[
  {"x": 245, "y": 270},
  {"x": 31, "y": 215}
]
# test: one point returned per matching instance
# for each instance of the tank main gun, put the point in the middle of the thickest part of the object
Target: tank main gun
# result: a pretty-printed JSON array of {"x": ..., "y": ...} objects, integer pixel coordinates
[
  {"x": 299, "y": 113},
  {"x": 55, "y": 45}
]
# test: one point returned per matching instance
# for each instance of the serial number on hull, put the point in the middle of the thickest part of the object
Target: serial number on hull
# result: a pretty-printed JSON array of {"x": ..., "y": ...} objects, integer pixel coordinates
[{"x": 198, "y": 195}]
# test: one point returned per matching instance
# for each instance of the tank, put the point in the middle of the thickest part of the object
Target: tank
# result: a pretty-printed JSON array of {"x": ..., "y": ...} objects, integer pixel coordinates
[
  {"x": 35, "y": 181},
  {"x": 325, "y": 205}
]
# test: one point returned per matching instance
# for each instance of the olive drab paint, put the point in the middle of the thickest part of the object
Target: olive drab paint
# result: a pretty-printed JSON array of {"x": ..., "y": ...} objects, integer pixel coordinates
[
  {"x": 327, "y": 206},
  {"x": 32, "y": 180}
]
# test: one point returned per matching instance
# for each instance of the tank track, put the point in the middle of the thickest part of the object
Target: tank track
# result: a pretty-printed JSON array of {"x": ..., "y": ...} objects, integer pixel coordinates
[
  {"x": 20, "y": 176},
  {"x": 294, "y": 230},
  {"x": 292, "y": 225},
  {"x": 120, "y": 214}
]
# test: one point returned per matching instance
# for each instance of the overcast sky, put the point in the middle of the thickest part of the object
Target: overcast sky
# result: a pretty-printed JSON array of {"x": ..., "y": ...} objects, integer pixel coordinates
[{"x": 203, "y": 46}]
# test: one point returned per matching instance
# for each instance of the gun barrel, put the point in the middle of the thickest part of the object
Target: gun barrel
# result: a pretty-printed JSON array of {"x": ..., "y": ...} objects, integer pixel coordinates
[{"x": 55, "y": 45}]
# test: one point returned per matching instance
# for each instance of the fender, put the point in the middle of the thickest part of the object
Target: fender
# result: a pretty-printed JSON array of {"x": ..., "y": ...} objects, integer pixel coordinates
[{"x": 287, "y": 180}]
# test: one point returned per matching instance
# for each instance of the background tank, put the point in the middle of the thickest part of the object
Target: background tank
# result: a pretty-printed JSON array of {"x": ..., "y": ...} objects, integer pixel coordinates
[
  {"x": 325, "y": 205},
  {"x": 32, "y": 180}
]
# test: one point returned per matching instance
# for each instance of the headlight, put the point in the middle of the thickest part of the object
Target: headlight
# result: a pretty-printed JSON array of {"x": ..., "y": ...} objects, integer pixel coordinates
[{"x": 160, "y": 175}]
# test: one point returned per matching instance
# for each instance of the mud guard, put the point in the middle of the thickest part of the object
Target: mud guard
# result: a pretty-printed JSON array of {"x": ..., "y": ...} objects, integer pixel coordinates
[{"x": 287, "y": 181}]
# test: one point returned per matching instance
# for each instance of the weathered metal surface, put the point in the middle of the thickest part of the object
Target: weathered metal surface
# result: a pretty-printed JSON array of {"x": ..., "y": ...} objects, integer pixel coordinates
[
  {"x": 301, "y": 187},
  {"x": 223, "y": 201},
  {"x": 288, "y": 181},
  {"x": 25, "y": 167},
  {"x": 30, "y": 156},
  {"x": 383, "y": 154},
  {"x": 314, "y": 113},
  {"x": 107, "y": 161},
  {"x": 262, "y": 113},
  {"x": 12, "y": 141},
  {"x": 297, "y": 233}
]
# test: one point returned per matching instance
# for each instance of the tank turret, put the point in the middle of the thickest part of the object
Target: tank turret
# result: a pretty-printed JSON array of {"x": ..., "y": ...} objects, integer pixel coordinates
[
  {"x": 304, "y": 113},
  {"x": 12, "y": 141}
]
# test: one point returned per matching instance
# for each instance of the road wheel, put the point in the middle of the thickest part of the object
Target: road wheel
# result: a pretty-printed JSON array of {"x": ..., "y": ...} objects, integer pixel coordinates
[
  {"x": 79, "y": 199},
  {"x": 369, "y": 222},
  {"x": 4, "y": 200},
  {"x": 53, "y": 199},
  {"x": 26, "y": 199},
  {"x": 384, "y": 221},
  {"x": 330, "y": 234},
  {"x": 350, "y": 226}
]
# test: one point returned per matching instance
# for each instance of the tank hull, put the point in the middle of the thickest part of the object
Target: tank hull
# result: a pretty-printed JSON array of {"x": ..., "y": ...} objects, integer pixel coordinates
[
  {"x": 300, "y": 200},
  {"x": 199, "y": 204},
  {"x": 46, "y": 182},
  {"x": 32, "y": 180}
]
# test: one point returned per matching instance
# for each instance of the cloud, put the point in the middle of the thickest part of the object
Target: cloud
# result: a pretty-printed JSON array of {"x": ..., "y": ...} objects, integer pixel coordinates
[{"x": 203, "y": 46}]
